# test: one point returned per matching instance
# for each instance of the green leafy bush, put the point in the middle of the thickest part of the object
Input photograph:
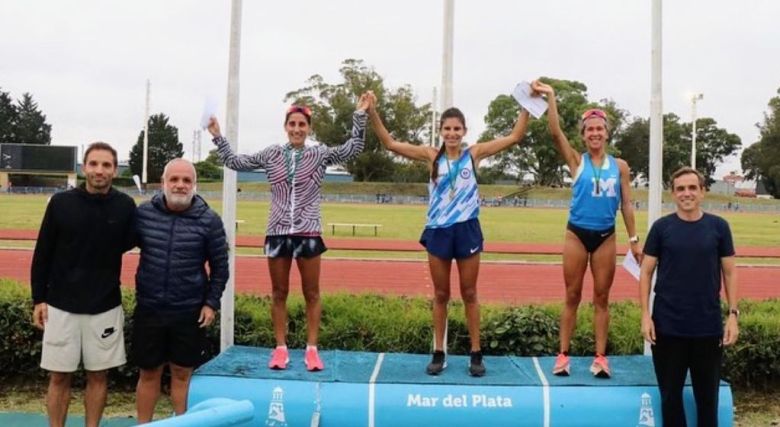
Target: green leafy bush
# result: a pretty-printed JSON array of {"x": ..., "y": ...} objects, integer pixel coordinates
[{"x": 399, "y": 324}]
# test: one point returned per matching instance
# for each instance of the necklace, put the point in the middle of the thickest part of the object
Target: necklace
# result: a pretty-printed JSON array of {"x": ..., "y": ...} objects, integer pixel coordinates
[
  {"x": 291, "y": 164},
  {"x": 453, "y": 176}
]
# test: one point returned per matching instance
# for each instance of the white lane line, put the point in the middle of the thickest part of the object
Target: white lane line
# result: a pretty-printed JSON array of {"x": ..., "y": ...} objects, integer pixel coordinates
[
  {"x": 545, "y": 391},
  {"x": 372, "y": 389}
]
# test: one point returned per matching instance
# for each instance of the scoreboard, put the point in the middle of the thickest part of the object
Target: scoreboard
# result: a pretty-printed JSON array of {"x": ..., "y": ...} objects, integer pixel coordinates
[{"x": 37, "y": 158}]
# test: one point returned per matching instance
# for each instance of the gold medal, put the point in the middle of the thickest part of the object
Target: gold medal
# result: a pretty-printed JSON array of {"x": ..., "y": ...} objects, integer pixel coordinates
[{"x": 452, "y": 193}]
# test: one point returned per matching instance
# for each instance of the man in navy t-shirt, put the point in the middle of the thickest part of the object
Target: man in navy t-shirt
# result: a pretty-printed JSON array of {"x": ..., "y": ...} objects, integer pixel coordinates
[{"x": 694, "y": 252}]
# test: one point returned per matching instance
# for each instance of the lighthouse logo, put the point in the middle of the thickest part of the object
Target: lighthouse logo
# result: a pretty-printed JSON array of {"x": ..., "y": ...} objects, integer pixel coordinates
[
  {"x": 646, "y": 418},
  {"x": 276, "y": 409}
]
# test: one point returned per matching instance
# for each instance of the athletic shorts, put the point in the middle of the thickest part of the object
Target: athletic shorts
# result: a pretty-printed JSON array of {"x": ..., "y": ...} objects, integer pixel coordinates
[
  {"x": 159, "y": 338},
  {"x": 460, "y": 240},
  {"x": 97, "y": 340},
  {"x": 287, "y": 246},
  {"x": 591, "y": 239}
]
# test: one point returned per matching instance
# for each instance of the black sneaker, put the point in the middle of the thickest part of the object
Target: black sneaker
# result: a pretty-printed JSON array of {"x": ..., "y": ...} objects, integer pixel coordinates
[
  {"x": 476, "y": 367},
  {"x": 437, "y": 364}
]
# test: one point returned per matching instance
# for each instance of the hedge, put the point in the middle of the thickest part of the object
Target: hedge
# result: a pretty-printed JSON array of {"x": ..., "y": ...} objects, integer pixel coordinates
[{"x": 400, "y": 324}]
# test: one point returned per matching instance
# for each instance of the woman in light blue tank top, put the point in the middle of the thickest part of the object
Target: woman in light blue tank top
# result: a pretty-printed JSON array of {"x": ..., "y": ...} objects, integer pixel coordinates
[
  {"x": 452, "y": 230},
  {"x": 600, "y": 184}
]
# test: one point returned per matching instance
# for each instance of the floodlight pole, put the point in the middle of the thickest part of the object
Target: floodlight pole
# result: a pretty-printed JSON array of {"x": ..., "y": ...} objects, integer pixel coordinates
[
  {"x": 694, "y": 99},
  {"x": 227, "y": 319},
  {"x": 146, "y": 136},
  {"x": 434, "y": 127},
  {"x": 446, "y": 73}
]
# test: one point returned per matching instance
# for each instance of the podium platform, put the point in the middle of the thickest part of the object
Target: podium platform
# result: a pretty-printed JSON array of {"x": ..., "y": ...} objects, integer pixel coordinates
[{"x": 392, "y": 389}]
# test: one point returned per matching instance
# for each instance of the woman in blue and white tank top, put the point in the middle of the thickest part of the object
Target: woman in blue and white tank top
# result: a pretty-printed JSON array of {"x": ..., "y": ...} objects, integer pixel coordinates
[
  {"x": 452, "y": 230},
  {"x": 600, "y": 185}
]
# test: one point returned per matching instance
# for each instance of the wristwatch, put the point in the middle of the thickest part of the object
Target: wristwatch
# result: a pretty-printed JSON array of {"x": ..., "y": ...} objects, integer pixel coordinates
[
  {"x": 633, "y": 239},
  {"x": 734, "y": 311}
]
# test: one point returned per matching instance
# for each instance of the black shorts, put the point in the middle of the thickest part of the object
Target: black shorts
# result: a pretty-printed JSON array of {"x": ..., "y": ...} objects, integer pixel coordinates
[
  {"x": 591, "y": 239},
  {"x": 159, "y": 338},
  {"x": 294, "y": 246}
]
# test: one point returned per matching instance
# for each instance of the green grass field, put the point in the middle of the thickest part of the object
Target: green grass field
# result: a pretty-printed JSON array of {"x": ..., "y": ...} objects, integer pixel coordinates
[{"x": 405, "y": 222}]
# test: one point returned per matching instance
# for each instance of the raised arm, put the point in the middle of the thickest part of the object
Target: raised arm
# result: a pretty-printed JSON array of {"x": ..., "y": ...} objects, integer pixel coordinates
[
  {"x": 569, "y": 155},
  {"x": 410, "y": 151},
  {"x": 237, "y": 162},
  {"x": 627, "y": 208},
  {"x": 487, "y": 149},
  {"x": 356, "y": 142}
]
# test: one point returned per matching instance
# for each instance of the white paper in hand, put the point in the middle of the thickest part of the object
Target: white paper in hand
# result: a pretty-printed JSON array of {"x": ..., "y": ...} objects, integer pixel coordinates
[
  {"x": 536, "y": 105},
  {"x": 631, "y": 265},
  {"x": 209, "y": 111}
]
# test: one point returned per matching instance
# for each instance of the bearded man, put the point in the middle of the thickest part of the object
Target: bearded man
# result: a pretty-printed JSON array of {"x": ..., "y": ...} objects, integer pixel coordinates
[{"x": 176, "y": 297}]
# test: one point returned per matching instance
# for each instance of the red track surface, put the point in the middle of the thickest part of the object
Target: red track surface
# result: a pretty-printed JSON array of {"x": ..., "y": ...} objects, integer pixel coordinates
[
  {"x": 511, "y": 283},
  {"x": 407, "y": 245}
]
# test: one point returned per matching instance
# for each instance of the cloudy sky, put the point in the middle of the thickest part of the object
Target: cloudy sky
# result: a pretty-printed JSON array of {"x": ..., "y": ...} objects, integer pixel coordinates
[{"x": 86, "y": 61}]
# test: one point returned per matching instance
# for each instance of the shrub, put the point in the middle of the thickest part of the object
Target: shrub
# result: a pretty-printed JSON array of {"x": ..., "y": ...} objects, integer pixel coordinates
[{"x": 399, "y": 324}]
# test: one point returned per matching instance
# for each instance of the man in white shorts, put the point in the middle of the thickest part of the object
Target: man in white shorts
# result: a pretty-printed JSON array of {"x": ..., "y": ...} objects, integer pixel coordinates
[{"x": 75, "y": 284}]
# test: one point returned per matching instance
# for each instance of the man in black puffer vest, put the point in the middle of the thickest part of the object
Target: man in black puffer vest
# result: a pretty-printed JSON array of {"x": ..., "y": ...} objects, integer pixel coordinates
[{"x": 176, "y": 298}]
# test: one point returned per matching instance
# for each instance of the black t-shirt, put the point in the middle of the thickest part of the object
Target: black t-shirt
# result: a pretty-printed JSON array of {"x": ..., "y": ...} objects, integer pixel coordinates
[{"x": 687, "y": 290}]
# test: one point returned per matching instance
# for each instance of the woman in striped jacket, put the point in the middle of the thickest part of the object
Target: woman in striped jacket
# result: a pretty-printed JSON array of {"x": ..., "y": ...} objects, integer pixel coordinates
[{"x": 295, "y": 172}]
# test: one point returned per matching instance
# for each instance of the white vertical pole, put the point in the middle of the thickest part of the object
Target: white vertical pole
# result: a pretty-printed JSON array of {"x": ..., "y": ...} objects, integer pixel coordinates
[
  {"x": 446, "y": 82},
  {"x": 446, "y": 73},
  {"x": 656, "y": 131},
  {"x": 694, "y": 99},
  {"x": 434, "y": 125},
  {"x": 145, "y": 161},
  {"x": 227, "y": 322},
  {"x": 693, "y": 133}
]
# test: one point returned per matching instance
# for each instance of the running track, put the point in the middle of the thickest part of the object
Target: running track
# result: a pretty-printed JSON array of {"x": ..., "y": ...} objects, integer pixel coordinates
[
  {"x": 510, "y": 283},
  {"x": 372, "y": 244}
]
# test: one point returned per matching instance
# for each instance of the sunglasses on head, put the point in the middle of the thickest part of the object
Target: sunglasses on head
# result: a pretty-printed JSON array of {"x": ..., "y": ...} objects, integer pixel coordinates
[
  {"x": 594, "y": 112},
  {"x": 306, "y": 111}
]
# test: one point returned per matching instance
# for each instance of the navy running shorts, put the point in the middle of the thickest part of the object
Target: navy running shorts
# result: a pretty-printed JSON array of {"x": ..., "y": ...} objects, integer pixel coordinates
[{"x": 460, "y": 240}]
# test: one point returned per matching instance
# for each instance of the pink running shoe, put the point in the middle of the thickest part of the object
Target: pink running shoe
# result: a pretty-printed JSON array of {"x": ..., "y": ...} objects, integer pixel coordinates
[
  {"x": 562, "y": 366},
  {"x": 312, "y": 360},
  {"x": 600, "y": 367},
  {"x": 279, "y": 359}
]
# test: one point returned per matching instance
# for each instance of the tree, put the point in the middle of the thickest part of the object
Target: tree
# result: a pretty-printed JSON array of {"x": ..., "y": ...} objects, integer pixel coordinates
[
  {"x": 332, "y": 105},
  {"x": 210, "y": 168},
  {"x": 713, "y": 145},
  {"x": 761, "y": 161},
  {"x": 8, "y": 117},
  {"x": 536, "y": 153},
  {"x": 164, "y": 146},
  {"x": 30, "y": 126}
]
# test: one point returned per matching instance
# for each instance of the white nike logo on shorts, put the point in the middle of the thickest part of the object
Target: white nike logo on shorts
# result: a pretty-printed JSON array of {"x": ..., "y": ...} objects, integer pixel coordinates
[{"x": 474, "y": 250}]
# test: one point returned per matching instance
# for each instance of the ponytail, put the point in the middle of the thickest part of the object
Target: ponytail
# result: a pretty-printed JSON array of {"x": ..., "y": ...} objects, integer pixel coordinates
[{"x": 435, "y": 166}]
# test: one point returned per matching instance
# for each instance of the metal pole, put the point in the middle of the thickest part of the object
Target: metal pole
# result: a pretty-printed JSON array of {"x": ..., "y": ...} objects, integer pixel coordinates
[
  {"x": 656, "y": 132},
  {"x": 446, "y": 73},
  {"x": 146, "y": 136},
  {"x": 694, "y": 99},
  {"x": 434, "y": 127},
  {"x": 227, "y": 319}
]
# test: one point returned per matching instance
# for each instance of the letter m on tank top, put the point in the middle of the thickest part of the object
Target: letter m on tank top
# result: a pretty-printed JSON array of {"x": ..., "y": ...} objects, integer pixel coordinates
[{"x": 606, "y": 187}]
